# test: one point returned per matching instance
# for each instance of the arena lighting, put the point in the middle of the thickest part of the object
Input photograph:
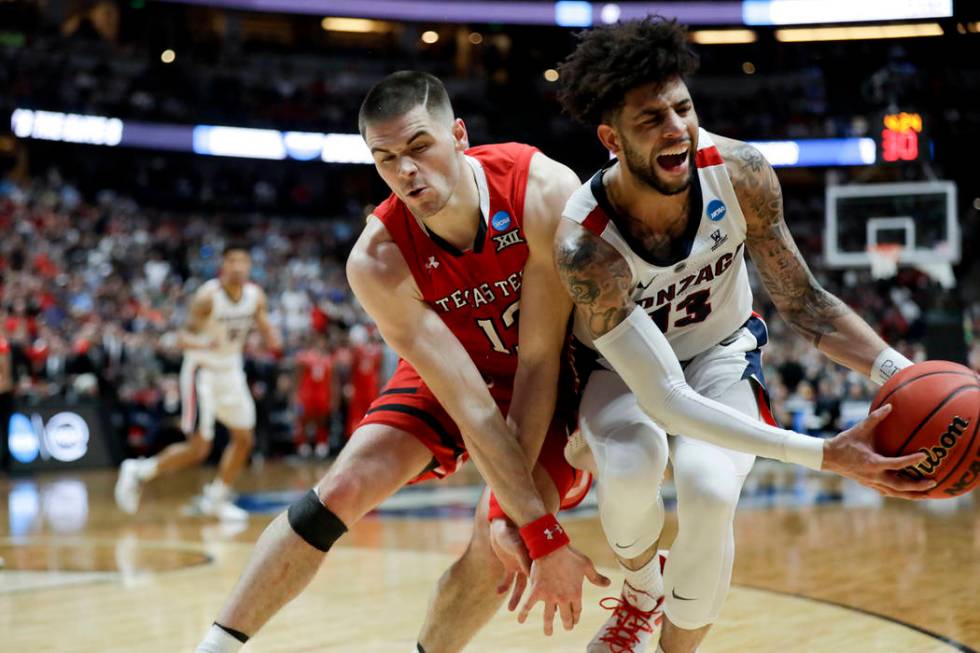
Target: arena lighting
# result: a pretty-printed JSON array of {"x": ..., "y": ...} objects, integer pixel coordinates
[
  {"x": 723, "y": 36},
  {"x": 239, "y": 142},
  {"x": 275, "y": 145},
  {"x": 798, "y": 12},
  {"x": 505, "y": 12},
  {"x": 67, "y": 127},
  {"x": 818, "y": 152},
  {"x": 359, "y": 25},
  {"x": 345, "y": 148},
  {"x": 573, "y": 13},
  {"x": 866, "y": 32}
]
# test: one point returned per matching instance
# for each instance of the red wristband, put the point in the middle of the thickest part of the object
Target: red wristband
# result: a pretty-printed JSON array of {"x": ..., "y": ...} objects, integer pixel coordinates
[
  {"x": 543, "y": 536},
  {"x": 495, "y": 511}
]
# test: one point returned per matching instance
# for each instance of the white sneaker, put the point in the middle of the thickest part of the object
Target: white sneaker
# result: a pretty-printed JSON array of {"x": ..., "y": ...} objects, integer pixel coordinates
[
  {"x": 129, "y": 487},
  {"x": 218, "y": 505},
  {"x": 629, "y": 629}
]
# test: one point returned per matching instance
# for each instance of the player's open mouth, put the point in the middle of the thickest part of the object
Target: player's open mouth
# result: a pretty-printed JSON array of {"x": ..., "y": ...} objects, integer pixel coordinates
[
  {"x": 674, "y": 159},
  {"x": 418, "y": 191}
]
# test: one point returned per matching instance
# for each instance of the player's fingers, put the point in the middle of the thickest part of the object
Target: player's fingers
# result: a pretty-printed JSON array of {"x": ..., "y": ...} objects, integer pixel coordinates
[
  {"x": 897, "y": 494},
  {"x": 876, "y": 417},
  {"x": 899, "y": 483},
  {"x": 576, "y": 607},
  {"x": 911, "y": 460},
  {"x": 528, "y": 605},
  {"x": 549, "y": 618},
  {"x": 524, "y": 562},
  {"x": 515, "y": 598},
  {"x": 567, "y": 616},
  {"x": 505, "y": 582},
  {"x": 595, "y": 577}
]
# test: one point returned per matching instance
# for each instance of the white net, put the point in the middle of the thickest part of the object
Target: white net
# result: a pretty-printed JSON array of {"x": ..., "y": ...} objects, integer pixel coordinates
[{"x": 884, "y": 260}]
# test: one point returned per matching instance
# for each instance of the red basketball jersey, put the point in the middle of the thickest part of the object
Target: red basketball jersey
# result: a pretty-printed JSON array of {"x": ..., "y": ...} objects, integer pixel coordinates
[
  {"x": 316, "y": 375},
  {"x": 365, "y": 376},
  {"x": 476, "y": 291}
]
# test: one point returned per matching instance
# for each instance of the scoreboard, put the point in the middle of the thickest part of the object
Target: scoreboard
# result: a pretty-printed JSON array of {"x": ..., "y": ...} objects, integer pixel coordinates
[{"x": 902, "y": 137}]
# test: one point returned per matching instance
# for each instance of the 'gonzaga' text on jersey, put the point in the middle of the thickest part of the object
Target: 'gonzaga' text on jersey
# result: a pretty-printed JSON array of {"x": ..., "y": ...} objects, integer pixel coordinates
[{"x": 702, "y": 295}]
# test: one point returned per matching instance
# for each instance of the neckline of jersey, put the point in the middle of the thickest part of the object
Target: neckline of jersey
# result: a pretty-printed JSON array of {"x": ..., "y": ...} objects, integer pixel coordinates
[
  {"x": 479, "y": 175},
  {"x": 680, "y": 248}
]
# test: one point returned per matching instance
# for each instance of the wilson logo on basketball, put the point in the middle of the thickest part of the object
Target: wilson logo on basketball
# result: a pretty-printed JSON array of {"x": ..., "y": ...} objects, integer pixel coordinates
[{"x": 938, "y": 453}]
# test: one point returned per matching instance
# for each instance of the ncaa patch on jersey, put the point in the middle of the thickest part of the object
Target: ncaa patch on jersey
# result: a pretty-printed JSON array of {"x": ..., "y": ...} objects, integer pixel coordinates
[
  {"x": 500, "y": 220},
  {"x": 716, "y": 210}
]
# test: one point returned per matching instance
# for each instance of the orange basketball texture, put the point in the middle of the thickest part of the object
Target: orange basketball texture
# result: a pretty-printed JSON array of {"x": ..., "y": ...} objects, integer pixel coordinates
[{"x": 936, "y": 410}]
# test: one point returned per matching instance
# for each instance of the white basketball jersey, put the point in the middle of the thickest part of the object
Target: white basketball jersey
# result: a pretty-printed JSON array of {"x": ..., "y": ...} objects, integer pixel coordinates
[
  {"x": 228, "y": 325},
  {"x": 701, "y": 296}
]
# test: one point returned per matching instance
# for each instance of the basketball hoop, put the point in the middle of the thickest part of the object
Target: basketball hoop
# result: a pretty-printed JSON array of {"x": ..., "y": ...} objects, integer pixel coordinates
[{"x": 884, "y": 259}]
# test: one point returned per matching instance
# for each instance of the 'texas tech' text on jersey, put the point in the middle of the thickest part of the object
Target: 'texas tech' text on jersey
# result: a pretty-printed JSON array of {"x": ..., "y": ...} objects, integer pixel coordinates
[{"x": 476, "y": 292}]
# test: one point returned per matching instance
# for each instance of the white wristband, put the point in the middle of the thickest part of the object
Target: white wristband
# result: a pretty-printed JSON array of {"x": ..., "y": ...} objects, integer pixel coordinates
[{"x": 888, "y": 363}]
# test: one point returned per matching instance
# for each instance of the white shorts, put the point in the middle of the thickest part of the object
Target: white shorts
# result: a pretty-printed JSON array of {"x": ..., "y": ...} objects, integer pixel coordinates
[{"x": 208, "y": 394}]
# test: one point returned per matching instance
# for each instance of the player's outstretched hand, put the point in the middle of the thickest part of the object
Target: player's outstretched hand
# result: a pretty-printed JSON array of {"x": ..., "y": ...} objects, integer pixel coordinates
[
  {"x": 556, "y": 580},
  {"x": 851, "y": 454},
  {"x": 507, "y": 545}
]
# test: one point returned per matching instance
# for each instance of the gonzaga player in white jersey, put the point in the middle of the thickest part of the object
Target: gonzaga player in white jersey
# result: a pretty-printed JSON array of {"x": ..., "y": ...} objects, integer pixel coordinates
[
  {"x": 212, "y": 387},
  {"x": 652, "y": 252}
]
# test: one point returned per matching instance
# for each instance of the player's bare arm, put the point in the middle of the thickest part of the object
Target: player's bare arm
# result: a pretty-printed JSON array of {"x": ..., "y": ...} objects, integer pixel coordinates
[
  {"x": 382, "y": 282},
  {"x": 191, "y": 336},
  {"x": 384, "y": 285},
  {"x": 270, "y": 335},
  {"x": 545, "y": 307},
  {"x": 595, "y": 275},
  {"x": 598, "y": 279},
  {"x": 819, "y": 316}
]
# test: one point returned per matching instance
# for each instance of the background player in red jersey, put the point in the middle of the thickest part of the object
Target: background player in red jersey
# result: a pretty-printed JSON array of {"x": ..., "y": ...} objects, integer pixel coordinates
[
  {"x": 316, "y": 396},
  {"x": 440, "y": 267},
  {"x": 365, "y": 375}
]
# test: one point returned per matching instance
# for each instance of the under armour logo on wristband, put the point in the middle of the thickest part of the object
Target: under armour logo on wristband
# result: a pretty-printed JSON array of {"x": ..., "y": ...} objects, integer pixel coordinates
[
  {"x": 542, "y": 536},
  {"x": 551, "y": 532}
]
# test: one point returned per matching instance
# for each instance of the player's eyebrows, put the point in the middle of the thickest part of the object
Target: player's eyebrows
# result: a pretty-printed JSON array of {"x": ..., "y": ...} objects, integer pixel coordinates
[
  {"x": 420, "y": 133},
  {"x": 660, "y": 109}
]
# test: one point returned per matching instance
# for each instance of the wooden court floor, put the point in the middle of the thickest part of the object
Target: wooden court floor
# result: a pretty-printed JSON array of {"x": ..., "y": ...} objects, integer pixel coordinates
[{"x": 820, "y": 566}]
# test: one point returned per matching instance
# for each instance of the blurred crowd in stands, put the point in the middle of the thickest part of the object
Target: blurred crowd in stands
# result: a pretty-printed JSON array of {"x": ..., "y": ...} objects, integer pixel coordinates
[
  {"x": 97, "y": 261},
  {"x": 92, "y": 293}
]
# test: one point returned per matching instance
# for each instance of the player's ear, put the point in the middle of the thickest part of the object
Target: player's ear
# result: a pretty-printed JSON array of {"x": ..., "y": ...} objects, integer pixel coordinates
[
  {"x": 609, "y": 138},
  {"x": 460, "y": 137}
]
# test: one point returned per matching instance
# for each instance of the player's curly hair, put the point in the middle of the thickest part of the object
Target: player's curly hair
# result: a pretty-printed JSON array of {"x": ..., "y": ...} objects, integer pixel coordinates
[{"x": 610, "y": 61}]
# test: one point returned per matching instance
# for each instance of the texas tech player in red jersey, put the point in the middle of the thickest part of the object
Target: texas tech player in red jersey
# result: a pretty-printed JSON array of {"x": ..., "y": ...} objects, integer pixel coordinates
[
  {"x": 315, "y": 396},
  {"x": 365, "y": 376},
  {"x": 440, "y": 267},
  {"x": 477, "y": 294}
]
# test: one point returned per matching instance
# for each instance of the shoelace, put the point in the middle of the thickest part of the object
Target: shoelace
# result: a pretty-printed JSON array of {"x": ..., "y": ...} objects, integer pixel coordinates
[{"x": 629, "y": 621}]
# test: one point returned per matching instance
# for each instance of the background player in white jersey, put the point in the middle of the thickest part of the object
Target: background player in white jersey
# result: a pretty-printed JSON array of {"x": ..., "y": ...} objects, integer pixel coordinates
[
  {"x": 652, "y": 247},
  {"x": 212, "y": 387}
]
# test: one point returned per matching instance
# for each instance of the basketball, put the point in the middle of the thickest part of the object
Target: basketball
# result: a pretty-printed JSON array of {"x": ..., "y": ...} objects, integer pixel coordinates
[{"x": 935, "y": 410}]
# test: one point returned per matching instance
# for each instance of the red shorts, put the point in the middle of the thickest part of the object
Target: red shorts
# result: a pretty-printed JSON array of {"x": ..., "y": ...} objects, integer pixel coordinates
[{"x": 407, "y": 403}]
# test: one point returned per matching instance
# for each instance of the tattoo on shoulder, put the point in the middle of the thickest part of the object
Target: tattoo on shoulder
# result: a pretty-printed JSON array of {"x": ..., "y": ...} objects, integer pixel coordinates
[
  {"x": 757, "y": 187},
  {"x": 801, "y": 300},
  {"x": 597, "y": 278}
]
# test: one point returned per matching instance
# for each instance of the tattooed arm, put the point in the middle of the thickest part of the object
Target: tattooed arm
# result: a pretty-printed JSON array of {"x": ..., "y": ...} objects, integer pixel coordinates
[
  {"x": 816, "y": 314},
  {"x": 595, "y": 275},
  {"x": 598, "y": 280}
]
